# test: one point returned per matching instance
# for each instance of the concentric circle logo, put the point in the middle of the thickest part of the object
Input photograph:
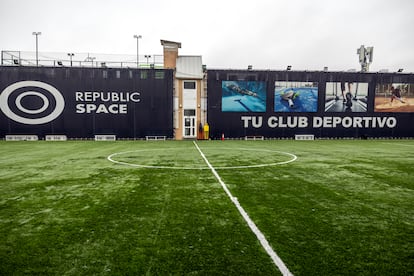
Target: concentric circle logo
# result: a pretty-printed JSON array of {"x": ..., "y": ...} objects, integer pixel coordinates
[{"x": 31, "y": 116}]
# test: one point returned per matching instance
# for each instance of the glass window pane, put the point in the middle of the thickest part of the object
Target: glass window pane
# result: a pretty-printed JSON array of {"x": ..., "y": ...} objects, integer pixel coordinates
[
  {"x": 189, "y": 112},
  {"x": 189, "y": 85}
]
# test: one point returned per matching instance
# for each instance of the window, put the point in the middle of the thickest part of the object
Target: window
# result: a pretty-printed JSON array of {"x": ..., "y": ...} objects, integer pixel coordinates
[
  {"x": 189, "y": 85},
  {"x": 159, "y": 75},
  {"x": 189, "y": 112}
]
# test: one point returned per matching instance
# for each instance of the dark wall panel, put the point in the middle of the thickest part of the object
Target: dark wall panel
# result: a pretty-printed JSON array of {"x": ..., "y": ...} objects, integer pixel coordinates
[
  {"x": 82, "y": 102},
  {"x": 325, "y": 104}
]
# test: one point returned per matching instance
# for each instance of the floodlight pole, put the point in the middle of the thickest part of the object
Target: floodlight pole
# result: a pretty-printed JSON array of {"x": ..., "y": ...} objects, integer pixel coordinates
[
  {"x": 147, "y": 57},
  {"x": 37, "y": 46},
  {"x": 91, "y": 59},
  {"x": 70, "y": 56},
  {"x": 137, "y": 37}
]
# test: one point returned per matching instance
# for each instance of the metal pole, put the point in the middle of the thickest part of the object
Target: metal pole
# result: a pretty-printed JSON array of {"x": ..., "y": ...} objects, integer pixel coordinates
[
  {"x": 37, "y": 51},
  {"x": 37, "y": 47},
  {"x": 137, "y": 37},
  {"x": 137, "y": 51}
]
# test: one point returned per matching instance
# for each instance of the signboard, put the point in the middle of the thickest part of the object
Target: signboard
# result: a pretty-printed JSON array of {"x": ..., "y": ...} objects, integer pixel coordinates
[
  {"x": 84, "y": 102},
  {"x": 323, "y": 104}
]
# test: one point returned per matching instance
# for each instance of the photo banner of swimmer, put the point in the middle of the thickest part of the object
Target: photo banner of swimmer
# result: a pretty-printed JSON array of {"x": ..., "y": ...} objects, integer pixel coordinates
[
  {"x": 293, "y": 96},
  {"x": 83, "y": 102},
  {"x": 324, "y": 104},
  {"x": 243, "y": 96}
]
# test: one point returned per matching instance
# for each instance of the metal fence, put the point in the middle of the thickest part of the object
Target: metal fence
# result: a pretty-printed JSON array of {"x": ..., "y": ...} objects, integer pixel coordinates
[{"x": 27, "y": 58}]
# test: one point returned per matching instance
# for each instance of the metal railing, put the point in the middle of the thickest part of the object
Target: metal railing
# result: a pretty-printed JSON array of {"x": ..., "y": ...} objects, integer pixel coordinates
[{"x": 53, "y": 59}]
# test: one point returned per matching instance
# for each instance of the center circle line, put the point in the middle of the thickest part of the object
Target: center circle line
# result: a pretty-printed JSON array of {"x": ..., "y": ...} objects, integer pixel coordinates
[{"x": 113, "y": 160}]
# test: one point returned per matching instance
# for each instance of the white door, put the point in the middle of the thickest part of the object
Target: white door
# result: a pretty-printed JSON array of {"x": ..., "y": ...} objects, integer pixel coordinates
[{"x": 189, "y": 123}]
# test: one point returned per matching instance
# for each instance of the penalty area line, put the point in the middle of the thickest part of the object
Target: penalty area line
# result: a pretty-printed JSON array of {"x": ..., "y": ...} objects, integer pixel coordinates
[{"x": 262, "y": 239}]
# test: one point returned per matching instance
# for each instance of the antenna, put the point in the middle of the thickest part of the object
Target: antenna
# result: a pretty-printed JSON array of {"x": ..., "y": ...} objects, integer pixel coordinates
[
  {"x": 365, "y": 57},
  {"x": 370, "y": 52}
]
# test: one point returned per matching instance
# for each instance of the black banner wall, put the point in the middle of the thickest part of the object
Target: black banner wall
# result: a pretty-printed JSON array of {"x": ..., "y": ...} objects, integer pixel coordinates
[
  {"x": 83, "y": 102},
  {"x": 326, "y": 104}
]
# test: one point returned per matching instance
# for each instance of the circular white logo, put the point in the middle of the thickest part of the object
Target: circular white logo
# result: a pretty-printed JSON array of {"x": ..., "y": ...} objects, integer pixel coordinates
[{"x": 4, "y": 102}]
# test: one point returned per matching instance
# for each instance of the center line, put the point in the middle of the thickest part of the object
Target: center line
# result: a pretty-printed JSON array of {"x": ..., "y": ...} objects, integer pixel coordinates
[{"x": 262, "y": 239}]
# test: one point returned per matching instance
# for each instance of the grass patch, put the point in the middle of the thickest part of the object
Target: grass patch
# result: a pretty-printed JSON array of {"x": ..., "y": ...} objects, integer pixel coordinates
[{"x": 344, "y": 207}]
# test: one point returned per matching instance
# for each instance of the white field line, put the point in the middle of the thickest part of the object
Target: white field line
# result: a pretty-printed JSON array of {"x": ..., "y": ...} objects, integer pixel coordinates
[
  {"x": 113, "y": 155},
  {"x": 262, "y": 239}
]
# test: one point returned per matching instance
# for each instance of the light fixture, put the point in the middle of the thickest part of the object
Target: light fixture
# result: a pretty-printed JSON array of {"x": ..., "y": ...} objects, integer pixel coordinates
[
  {"x": 71, "y": 56},
  {"x": 91, "y": 59},
  {"x": 289, "y": 67},
  {"x": 400, "y": 70}
]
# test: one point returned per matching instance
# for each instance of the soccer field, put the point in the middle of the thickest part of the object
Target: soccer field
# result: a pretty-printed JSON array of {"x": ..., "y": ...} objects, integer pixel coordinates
[{"x": 326, "y": 207}]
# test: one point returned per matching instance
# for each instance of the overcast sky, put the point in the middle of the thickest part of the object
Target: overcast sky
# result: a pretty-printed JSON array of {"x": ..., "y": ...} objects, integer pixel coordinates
[{"x": 268, "y": 34}]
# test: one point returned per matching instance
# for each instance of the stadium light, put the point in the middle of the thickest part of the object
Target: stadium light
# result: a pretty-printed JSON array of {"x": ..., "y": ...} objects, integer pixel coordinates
[
  {"x": 91, "y": 59},
  {"x": 137, "y": 37},
  {"x": 147, "y": 57},
  {"x": 37, "y": 46},
  {"x": 289, "y": 67},
  {"x": 70, "y": 56},
  {"x": 400, "y": 70}
]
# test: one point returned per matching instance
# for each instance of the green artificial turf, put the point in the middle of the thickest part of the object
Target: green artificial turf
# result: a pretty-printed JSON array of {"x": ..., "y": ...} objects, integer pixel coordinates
[{"x": 344, "y": 207}]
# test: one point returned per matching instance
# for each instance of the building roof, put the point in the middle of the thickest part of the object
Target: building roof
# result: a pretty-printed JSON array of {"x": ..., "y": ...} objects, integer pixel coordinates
[
  {"x": 170, "y": 44},
  {"x": 189, "y": 67}
]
